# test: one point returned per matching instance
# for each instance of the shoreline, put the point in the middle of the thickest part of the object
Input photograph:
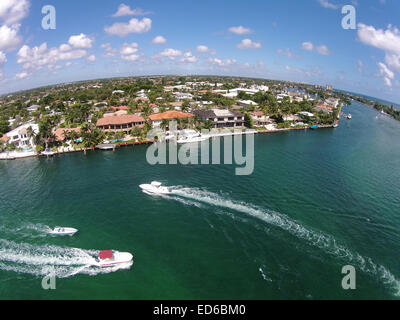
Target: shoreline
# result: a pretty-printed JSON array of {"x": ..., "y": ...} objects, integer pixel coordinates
[{"x": 7, "y": 156}]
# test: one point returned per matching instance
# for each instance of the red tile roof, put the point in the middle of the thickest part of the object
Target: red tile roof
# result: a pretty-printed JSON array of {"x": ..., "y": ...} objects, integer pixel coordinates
[
  {"x": 120, "y": 108},
  {"x": 117, "y": 120},
  {"x": 59, "y": 133},
  {"x": 170, "y": 115}
]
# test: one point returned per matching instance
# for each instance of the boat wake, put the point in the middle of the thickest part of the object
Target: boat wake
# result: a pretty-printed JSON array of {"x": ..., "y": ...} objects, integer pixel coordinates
[
  {"x": 316, "y": 238},
  {"x": 51, "y": 260}
]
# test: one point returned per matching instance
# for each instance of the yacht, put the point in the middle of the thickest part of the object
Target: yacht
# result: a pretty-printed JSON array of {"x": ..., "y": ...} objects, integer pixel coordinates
[
  {"x": 155, "y": 188},
  {"x": 48, "y": 153},
  {"x": 109, "y": 258},
  {"x": 60, "y": 231},
  {"x": 189, "y": 136}
]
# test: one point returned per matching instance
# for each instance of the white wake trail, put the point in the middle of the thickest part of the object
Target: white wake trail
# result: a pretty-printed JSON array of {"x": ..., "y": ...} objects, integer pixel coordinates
[
  {"x": 42, "y": 260},
  {"x": 316, "y": 238}
]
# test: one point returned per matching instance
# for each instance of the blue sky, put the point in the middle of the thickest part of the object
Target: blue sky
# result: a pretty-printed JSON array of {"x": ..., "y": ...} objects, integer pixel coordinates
[{"x": 299, "y": 40}]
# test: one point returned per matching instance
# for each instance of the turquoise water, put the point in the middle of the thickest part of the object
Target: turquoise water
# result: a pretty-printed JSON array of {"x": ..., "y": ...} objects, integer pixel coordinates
[{"x": 318, "y": 200}]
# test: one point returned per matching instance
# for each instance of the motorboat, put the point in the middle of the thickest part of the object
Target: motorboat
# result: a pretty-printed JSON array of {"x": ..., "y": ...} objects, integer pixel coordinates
[
  {"x": 190, "y": 136},
  {"x": 349, "y": 116},
  {"x": 109, "y": 258},
  {"x": 155, "y": 188},
  {"x": 61, "y": 231},
  {"x": 48, "y": 153},
  {"x": 314, "y": 127},
  {"x": 106, "y": 147}
]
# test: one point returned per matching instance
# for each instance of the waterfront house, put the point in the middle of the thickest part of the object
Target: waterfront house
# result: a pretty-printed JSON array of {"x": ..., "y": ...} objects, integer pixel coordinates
[
  {"x": 157, "y": 118},
  {"x": 60, "y": 133},
  {"x": 20, "y": 136},
  {"x": 120, "y": 123},
  {"x": 221, "y": 118},
  {"x": 260, "y": 119}
]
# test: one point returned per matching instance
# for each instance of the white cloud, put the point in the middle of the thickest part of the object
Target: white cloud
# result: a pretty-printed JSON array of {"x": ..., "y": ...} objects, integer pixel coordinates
[
  {"x": 91, "y": 58},
  {"x": 21, "y": 75},
  {"x": 13, "y": 11},
  {"x": 202, "y": 48},
  {"x": 328, "y": 5},
  {"x": 159, "y": 40},
  {"x": 81, "y": 41},
  {"x": 128, "y": 49},
  {"x": 125, "y": 10},
  {"x": 240, "y": 30},
  {"x": 133, "y": 26},
  {"x": 38, "y": 57},
  {"x": 307, "y": 46},
  {"x": 222, "y": 63},
  {"x": 386, "y": 74},
  {"x": 9, "y": 38},
  {"x": 110, "y": 52},
  {"x": 171, "y": 53},
  {"x": 322, "y": 49},
  {"x": 3, "y": 59},
  {"x": 188, "y": 57},
  {"x": 205, "y": 49},
  {"x": 387, "y": 40},
  {"x": 287, "y": 53},
  {"x": 249, "y": 44}
]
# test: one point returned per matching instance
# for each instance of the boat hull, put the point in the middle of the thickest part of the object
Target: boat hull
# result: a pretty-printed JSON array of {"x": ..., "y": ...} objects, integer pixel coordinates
[
  {"x": 63, "y": 232},
  {"x": 119, "y": 259}
]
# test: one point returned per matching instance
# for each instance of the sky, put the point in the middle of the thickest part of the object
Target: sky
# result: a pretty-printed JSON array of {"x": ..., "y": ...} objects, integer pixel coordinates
[{"x": 296, "y": 40}]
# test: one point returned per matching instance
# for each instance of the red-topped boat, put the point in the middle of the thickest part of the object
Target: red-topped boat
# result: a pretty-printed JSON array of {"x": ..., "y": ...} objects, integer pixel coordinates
[{"x": 108, "y": 258}]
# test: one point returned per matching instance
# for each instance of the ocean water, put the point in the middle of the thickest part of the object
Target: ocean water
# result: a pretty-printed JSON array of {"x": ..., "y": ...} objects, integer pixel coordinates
[{"x": 317, "y": 201}]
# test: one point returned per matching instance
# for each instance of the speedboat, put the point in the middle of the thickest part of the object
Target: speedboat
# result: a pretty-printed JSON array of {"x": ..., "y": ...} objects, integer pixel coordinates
[
  {"x": 60, "y": 231},
  {"x": 155, "y": 188},
  {"x": 108, "y": 258},
  {"x": 48, "y": 153},
  {"x": 349, "y": 116},
  {"x": 190, "y": 136}
]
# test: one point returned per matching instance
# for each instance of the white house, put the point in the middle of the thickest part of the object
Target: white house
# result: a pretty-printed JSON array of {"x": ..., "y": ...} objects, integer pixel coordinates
[{"x": 19, "y": 136}]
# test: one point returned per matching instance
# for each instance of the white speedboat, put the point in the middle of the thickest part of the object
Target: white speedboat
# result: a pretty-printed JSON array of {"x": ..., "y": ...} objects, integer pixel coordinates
[
  {"x": 48, "y": 153},
  {"x": 108, "y": 258},
  {"x": 349, "y": 116},
  {"x": 155, "y": 188},
  {"x": 61, "y": 231},
  {"x": 190, "y": 136}
]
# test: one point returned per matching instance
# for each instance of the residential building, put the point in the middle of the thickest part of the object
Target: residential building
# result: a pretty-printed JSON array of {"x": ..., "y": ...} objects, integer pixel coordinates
[
  {"x": 157, "y": 118},
  {"x": 120, "y": 123},
  {"x": 221, "y": 118},
  {"x": 60, "y": 132},
  {"x": 20, "y": 137},
  {"x": 260, "y": 119}
]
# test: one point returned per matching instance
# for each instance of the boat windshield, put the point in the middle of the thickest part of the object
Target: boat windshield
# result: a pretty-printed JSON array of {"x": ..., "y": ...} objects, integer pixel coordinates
[{"x": 156, "y": 184}]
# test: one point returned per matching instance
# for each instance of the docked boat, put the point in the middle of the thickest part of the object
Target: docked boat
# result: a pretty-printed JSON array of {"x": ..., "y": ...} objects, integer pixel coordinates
[
  {"x": 48, "y": 153},
  {"x": 314, "y": 127},
  {"x": 110, "y": 146},
  {"x": 60, "y": 231},
  {"x": 108, "y": 258},
  {"x": 190, "y": 136},
  {"x": 155, "y": 188}
]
